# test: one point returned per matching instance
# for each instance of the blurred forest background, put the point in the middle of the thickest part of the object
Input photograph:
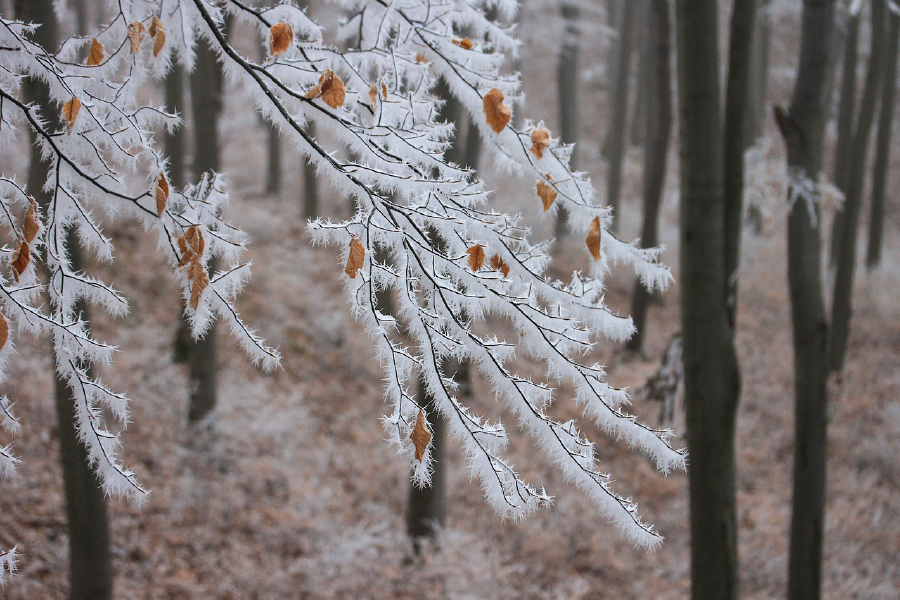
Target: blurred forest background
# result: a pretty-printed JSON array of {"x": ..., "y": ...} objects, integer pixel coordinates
[{"x": 281, "y": 485}]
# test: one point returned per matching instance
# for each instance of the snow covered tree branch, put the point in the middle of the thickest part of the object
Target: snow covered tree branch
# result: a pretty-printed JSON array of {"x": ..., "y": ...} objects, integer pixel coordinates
[{"x": 466, "y": 276}]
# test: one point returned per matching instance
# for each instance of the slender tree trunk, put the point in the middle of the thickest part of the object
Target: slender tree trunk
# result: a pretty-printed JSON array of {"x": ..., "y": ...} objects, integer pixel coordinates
[
  {"x": 473, "y": 147},
  {"x": 883, "y": 148},
  {"x": 760, "y": 78},
  {"x": 737, "y": 111},
  {"x": 310, "y": 190},
  {"x": 645, "y": 73},
  {"x": 656, "y": 150},
  {"x": 712, "y": 379},
  {"x": 567, "y": 82},
  {"x": 619, "y": 113},
  {"x": 803, "y": 129},
  {"x": 846, "y": 111},
  {"x": 273, "y": 174},
  {"x": 90, "y": 560},
  {"x": 206, "y": 96},
  {"x": 846, "y": 262}
]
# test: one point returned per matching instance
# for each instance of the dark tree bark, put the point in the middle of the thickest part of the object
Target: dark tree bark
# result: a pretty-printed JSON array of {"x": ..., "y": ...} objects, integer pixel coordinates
[
  {"x": 646, "y": 47},
  {"x": 567, "y": 90},
  {"x": 206, "y": 96},
  {"x": 842, "y": 305},
  {"x": 712, "y": 379},
  {"x": 883, "y": 147},
  {"x": 803, "y": 129},
  {"x": 656, "y": 150},
  {"x": 619, "y": 113},
  {"x": 737, "y": 111},
  {"x": 310, "y": 189},
  {"x": 175, "y": 143},
  {"x": 273, "y": 173},
  {"x": 846, "y": 112},
  {"x": 756, "y": 113},
  {"x": 473, "y": 147},
  {"x": 90, "y": 560}
]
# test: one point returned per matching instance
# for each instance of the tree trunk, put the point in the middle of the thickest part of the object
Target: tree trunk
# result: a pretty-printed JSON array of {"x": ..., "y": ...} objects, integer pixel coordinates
[
  {"x": 645, "y": 73},
  {"x": 846, "y": 261},
  {"x": 619, "y": 113},
  {"x": 846, "y": 111},
  {"x": 90, "y": 560},
  {"x": 567, "y": 89},
  {"x": 804, "y": 130},
  {"x": 206, "y": 95},
  {"x": 883, "y": 148},
  {"x": 656, "y": 149},
  {"x": 273, "y": 174},
  {"x": 712, "y": 379},
  {"x": 737, "y": 111},
  {"x": 760, "y": 78},
  {"x": 473, "y": 147}
]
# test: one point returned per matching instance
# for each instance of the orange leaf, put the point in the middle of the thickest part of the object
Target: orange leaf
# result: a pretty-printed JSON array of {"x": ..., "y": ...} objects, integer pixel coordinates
[
  {"x": 158, "y": 32},
  {"x": 420, "y": 436},
  {"x": 282, "y": 36},
  {"x": 465, "y": 43},
  {"x": 95, "y": 56},
  {"x": 162, "y": 194},
  {"x": 32, "y": 225},
  {"x": 330, "y": 88},
  {"x": 498, "y": 264},
  {"x": 4, "y": 331},
  {"x": 421, "y": 59},
  {"x": 136, "y": 34},
  {"x": 20, "y": 262},
  {"x": 373, "y": 96},
  {"x": 70, "y": 113},
  {"x": 540, "y": 141},
  {"x": 195, "y": 238},
  {"x": 547, "y": 194},
  {"x": 198, "y": 275},
  {"x": 593, "y": 238},
  {"x": 476, "y": 257},
  {"x": 384, "y": 91},
  {"x": 497, "y": 113},
  {"x": 356, "y": 258}
]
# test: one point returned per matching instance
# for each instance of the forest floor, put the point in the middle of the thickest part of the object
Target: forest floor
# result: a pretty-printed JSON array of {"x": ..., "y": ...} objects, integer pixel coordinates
[{"x": 291, "y": 490}]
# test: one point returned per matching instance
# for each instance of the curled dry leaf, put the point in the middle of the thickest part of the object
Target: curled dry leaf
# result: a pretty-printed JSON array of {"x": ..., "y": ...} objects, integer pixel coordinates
[
  {"x": 158, "y": 33},
  {"x": 330, "y": 88},
  {"x": 281, "y": 38},
  {"x": 195, "y": 238},
  {"x": 540, "y": 141},
  {"x": 162, "y": 194},
  {"x": 420, "y": 436},
  {"x": 96, "y": 55},
  {"x": 547, "y": 194},
  {"x": 497, "y": 113},
  {"x": 4, "y": 331},
  {"x": 384, "y": 91},
  {"x": 421, "y": 59},
  {"x": 465, "y": 43},
  {"x": 191, "y": 244},
  {"x": 20, "y": 262},
  {"x": 356, "y": 258},
  {"x": 197, "y": 274},
  {"x": 373, "y": 96},
  {"x": 594, "y": 237},
  {"x": 136, "y": 35},
  {"x": 32, "y": 225},
  {"x": 70, "y": 113},
  {"x": 498, "y": 264},
  {"x": 476, "y": 257}
]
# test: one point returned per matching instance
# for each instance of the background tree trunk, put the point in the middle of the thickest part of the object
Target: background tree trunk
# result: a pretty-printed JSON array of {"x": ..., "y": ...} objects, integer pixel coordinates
[
  {"x": 619, "y": 112},
  {"x": 656, "y": 149},
  {"x": 712, "y": 380},
  {"x": 646, "y": 49},
  {"x": 310, "y": 189},
  {"x": 567, "y": 89},
  {"x": 273, "y": 173},
  {"x": 846, "y": 261},
  {"x": 759, "y": 86},
  {"x": 846, "y": 112},
  {"x": 206, "y": 96},
  {"x": 90, "y": 560},
  {"x": 804, "y": 130},
  {"x": 883, "y": 147}
]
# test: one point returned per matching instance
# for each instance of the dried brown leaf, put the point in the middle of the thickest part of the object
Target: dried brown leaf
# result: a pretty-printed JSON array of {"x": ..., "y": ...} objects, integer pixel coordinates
[
  {"x": 4, "y": 331},
  {"x": 465, "y": 43},
  {"x": 356, "y": 258},
  {"x": 547, "y": 194},
  {"x": 421, "y": 59},
  {"x": 594, "y": 237},
  {"x": 195, "y": 238},
  {"x": 420, "y": 436},
  {"x": 20, "y": 262},
  {"x": 32, "y": 225},
  {"x": 476, "y": 257},
  {"x": 136, "y": 34},
  {"x": 155, "y": 26},
  {"x": 540, "y": 141},
  {"x": 200, "y": 279},
  {"x": 96, "y": 55},
  {"x": 330, "y": 88},
  {"x": 70, "y": 113},
  {"x": 162, "y": 194},
  {"x": 158, "y": 33},
  {"x": 384, "y": 91},
  {"x": 282, "y": 36},
  {"x": 373, "y": 96},
  {"x": 498, "y": 264},
  {"x": 497, "y": 113}
]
